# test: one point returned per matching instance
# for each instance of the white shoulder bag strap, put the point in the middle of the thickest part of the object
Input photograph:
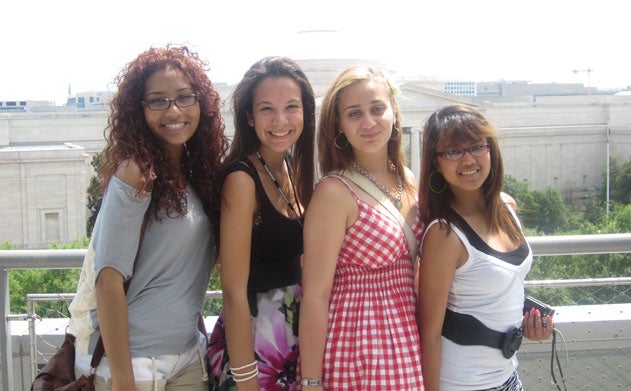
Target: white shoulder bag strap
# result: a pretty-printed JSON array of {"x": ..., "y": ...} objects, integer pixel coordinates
[{"x": 377, "y": 194}]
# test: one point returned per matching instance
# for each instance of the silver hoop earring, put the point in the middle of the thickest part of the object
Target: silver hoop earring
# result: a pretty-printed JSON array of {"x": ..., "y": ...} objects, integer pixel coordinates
[
  {"x": 395, "y": 133},
  {"x": 341, "y": 134}
]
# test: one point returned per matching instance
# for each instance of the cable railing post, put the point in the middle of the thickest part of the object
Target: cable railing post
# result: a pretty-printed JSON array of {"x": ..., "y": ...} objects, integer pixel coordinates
[
  {"x": 5, "y": 333},
  {"x": 32, "y": 337}
]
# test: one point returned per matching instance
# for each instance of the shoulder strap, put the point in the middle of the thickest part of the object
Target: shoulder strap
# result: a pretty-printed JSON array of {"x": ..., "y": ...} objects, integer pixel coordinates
[
  {"x": 377, "y": 194},
  {"x": 99, "y": 349}
]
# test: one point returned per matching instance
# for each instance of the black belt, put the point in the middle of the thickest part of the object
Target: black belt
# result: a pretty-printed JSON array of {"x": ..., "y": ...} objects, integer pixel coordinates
[{"x": 465, "y": 329}]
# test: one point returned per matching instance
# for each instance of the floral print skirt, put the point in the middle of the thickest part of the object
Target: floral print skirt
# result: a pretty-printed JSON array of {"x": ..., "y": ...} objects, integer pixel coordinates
[{"x": 275, "y": 343}]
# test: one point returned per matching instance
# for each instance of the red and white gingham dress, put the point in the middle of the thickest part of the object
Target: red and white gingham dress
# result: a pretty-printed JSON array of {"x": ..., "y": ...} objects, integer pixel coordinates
[{"x": 373, "y": 341}]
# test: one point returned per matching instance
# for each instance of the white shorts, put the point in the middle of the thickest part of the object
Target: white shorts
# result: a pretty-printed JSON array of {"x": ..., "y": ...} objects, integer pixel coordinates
[{"x": 150, "y": 368}]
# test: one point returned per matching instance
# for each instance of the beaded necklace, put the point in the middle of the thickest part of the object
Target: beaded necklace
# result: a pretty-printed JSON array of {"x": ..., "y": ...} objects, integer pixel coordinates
[
  {"x": 280, "y": 190},
  {"x": 395, "y": 198}
]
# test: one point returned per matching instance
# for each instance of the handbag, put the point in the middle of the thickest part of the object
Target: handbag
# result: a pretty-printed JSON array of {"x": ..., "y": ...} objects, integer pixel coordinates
[{"x": 58, "y": 374}]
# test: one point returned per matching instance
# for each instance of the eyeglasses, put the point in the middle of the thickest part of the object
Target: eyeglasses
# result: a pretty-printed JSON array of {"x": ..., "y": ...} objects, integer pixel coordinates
[
  {"x": 457, "y": 154},
  {"x": 160, "y": 104}
]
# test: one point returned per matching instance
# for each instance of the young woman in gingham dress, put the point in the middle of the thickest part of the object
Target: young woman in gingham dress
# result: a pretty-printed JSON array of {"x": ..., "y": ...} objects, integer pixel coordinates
[{"x": 358, "y": 327}]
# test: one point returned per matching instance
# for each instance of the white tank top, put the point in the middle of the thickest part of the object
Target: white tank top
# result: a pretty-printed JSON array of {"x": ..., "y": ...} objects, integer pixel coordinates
[{"x": 492, "y": 290}]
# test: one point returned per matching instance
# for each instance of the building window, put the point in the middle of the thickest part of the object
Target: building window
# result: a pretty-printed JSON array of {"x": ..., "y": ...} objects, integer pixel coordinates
[
  {"x": 12, "y": 104},
  {"x": 22, "y": 103},
  {"x": 52, "y": 230}
]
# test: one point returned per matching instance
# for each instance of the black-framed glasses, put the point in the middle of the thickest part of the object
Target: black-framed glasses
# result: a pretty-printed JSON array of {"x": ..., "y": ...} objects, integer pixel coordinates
[
  {"x": 457, "y": 154},
  {"x": 160, "y": 104}
]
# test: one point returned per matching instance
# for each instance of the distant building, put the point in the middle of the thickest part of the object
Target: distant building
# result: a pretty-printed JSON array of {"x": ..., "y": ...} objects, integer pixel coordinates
[
  {"x": 90, "y": 100},
  {"x": 461, "y": 88},
  {"x": 43, "y": 194},
  {"x": 21, "y": 106},
  {"x": 526, "y": 88},
  {"x": 547, "y": 140}
]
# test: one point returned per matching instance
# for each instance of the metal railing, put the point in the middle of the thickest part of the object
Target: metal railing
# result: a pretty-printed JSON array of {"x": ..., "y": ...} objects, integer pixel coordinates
[{"x": 63, "y": 259}]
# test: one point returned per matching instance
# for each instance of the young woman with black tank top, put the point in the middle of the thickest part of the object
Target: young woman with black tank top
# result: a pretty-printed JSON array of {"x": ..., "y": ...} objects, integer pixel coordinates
[{"x": 267, "y": 186}]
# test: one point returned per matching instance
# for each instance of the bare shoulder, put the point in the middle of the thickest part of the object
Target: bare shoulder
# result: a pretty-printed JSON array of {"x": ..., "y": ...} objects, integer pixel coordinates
[
  {"x": 129, "y": 172},
  {"x": 237, "y": 179},
  {"x": 238, "y": 187},
  {"x": 439, "y": 232},
  {"x": 509, "y": 200},
  {"x": 443, "y": 245},
  {"x": 330, "y": 187},
  {"x": 331, "y": 196}
]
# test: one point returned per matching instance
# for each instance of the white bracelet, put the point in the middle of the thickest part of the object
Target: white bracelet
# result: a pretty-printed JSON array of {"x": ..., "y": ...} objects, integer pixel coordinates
[
  {"x": 244, "y": 373},
  {"x": 252, "y": 374},
  {"x": 244, "y": 366}
]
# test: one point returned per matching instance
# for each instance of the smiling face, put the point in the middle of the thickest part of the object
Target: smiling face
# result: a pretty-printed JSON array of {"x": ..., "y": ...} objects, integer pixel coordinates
[
  {"x": 277, "y": 113},
  {"x": 366, "y": 116},
  {"x": 175, "y": 125},
  {"x": 468, "y": 172}
]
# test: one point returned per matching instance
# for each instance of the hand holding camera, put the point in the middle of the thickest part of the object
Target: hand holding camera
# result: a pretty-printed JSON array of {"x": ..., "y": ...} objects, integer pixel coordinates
[{"x": 537, "y": 323}]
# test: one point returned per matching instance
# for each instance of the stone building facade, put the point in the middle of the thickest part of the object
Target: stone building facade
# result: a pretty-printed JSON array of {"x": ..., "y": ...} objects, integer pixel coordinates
[{"x": 561, "y": 142}]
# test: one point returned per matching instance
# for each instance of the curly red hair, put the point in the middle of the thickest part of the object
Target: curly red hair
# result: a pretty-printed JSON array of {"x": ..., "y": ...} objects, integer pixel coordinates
[{"x": 129, "y": 137}]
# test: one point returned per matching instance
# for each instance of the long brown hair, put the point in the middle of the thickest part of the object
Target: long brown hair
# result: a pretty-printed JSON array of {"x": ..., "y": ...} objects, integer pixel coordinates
[
  {"x": 333, "y": 158},
  {"x": 462, "y": 124},
  {"x": 129, "y": 137},
  {"x": 245, "y": 139}
]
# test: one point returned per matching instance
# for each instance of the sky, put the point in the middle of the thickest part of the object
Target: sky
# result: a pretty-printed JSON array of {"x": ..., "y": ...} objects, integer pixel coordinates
[{"x": 48, "y": 46}]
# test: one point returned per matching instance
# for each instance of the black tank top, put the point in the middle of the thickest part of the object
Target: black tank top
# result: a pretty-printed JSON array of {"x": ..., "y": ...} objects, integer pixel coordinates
[
  {"x": 276, "y": 244},
  {"x": 515, "y": 257}
]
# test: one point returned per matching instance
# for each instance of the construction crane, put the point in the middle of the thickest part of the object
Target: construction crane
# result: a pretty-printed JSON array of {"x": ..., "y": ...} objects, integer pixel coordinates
[{"x": 589, "y": 73}]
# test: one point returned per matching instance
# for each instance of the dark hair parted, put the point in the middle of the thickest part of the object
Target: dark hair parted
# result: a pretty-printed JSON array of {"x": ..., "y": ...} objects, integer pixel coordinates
[
  {"x": 245, "y": 139},
  {"x": 334, "y": 159},
  {"x": 460, "y": 124},
  {"x": 129, "y": 137}
]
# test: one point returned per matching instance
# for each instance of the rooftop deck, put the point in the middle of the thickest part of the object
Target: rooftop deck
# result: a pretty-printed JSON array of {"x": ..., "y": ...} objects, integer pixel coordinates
[{"x": 596, "y": 355}]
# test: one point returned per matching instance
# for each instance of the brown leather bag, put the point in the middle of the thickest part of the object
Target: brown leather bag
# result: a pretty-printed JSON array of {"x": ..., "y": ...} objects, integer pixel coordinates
[{"x": 58, "y": 373}]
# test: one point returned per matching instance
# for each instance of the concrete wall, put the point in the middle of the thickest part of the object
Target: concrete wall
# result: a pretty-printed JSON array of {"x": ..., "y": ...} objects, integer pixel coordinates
[{"x": 42, "y": 195}]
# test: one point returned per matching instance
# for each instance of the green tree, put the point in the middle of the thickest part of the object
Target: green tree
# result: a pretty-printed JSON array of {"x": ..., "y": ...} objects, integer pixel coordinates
[
  {"x": 517, "y": 190},
  {"x": 95, "y": 197},
  {"x": 25, "y": 281},
  {"x": 620, "y": 183},
  {"x": 594, "y": 210},
  {"x": 6, "y": 246},
  {"x": 622, "y": 218}
]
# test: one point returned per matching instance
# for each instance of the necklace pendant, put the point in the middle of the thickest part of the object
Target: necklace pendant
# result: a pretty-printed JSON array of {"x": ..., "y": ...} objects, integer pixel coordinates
[{"x": 398, "y": 205}]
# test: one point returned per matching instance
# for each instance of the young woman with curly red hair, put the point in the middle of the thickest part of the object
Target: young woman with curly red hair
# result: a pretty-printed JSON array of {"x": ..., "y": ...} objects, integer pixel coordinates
[{"x": 165, "y": 144}]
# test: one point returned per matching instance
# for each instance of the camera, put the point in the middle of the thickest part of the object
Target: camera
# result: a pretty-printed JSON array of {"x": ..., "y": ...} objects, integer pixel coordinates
[{"x": 544, "y": 309}]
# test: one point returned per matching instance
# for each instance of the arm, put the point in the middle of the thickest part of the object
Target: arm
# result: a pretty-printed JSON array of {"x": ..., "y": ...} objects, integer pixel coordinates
[
  {"x": 442, "y": 253},
  {"x": 237, "y": 211},
  {"x": 325, "y": 226},
  {"x": 111, "y": 304}
]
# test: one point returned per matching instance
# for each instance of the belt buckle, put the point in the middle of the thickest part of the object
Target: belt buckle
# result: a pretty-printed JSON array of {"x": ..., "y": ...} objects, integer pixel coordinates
[{"x": 512, "y": 342}]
